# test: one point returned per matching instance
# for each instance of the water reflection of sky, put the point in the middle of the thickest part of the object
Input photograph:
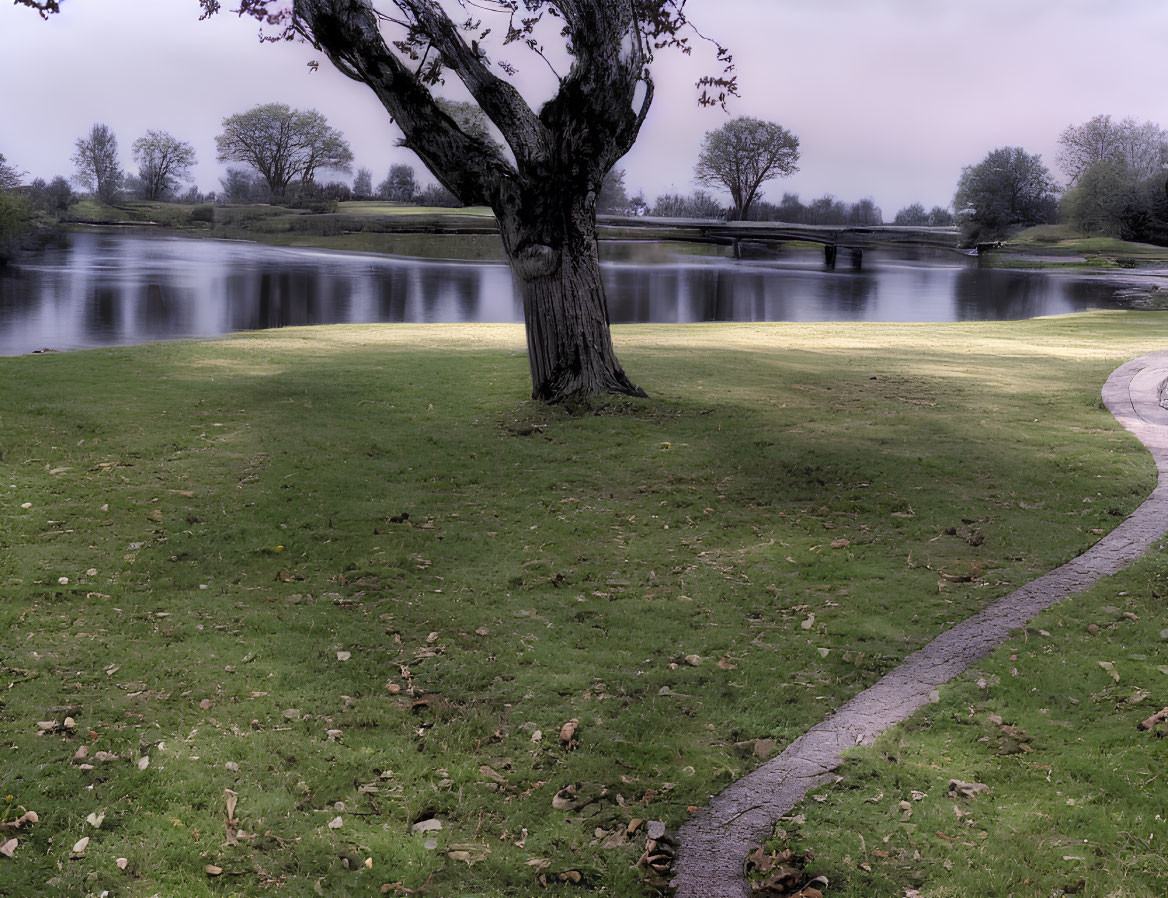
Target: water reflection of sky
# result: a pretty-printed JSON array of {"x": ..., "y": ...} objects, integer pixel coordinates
[{"x": 100, "y": 289}]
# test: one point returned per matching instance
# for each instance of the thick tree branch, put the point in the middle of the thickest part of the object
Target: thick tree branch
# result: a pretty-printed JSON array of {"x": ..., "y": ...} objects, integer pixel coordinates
[
  {"x": 347, "y": 31},
  {"x": 499, "y": 99}
]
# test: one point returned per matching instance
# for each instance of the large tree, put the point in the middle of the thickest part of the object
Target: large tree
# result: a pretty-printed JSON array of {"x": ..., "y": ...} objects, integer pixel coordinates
[
  {"x": 743, "y": 155},
  {"x": 163, "y": 161},
  {"x": 543, "y": 184},
  {"x": 1007, "y": 190},
  {"x": 96, "y": 162},
  {"x": 283, "y": 144},
  {"x": 1140, "y": 147}
]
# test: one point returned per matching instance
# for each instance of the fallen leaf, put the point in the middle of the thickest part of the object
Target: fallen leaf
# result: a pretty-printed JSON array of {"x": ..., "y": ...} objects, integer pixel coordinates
[
  {"x": 8, "y": 849},
  {"x": 122, "y": 863},
  {"x": 1110, "y": 668},
  {"x": 336, "y": 823},
  {"x": 212, "y": 870},
  {"x": 79, "y": 846},
  {"x": 809, "y": 623},
  {"x": 726, "y": 664},
  {"x": 343, "y": 656},
  {"x": 693, "y": 660},
  {"x": 95, "y": 820},
  {"x": 840, "y": 543}
]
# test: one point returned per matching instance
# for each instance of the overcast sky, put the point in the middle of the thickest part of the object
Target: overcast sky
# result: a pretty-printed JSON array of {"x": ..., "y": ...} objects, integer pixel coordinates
[{"x": 890, "y": 98}]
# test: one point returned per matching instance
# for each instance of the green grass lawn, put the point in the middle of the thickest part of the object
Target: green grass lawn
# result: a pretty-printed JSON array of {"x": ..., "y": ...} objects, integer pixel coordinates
[
  {"x": 1053, "y": 240},
  {"x": 351, "y": 575}
]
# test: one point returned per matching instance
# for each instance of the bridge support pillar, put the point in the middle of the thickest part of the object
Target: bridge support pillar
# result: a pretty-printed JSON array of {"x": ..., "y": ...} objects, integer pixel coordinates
[
  {"x": 857, "y": 258},
  {"x": 737, "y": 248},
  {"x": 829, "y": 253}
]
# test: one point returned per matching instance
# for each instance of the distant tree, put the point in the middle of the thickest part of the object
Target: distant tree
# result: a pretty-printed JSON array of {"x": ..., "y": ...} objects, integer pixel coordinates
[
  {"x": 54, "y": 197},
  {"x": 697, "y": 205},
  {"x": 323, "y": 146},
  {"x": 242, "y": 186},
  {"x": 912, "y": 215},
  {"x": 437, "y": 195},
  {"x": 96, "y": 163},
  {"x": 1141, "y": 147},
  {"x": 791, "y": 209},
  {"x": 613, "y": 196},
  {"x": 15, "y": 214},
  {"x": 744, "y": 154},
  {"x": 10, "y": 177},
  {"x": 282, "y": 144},
  {"x": 1008, "y": 190},
  {"x": 1102, "y": 200},
  {"x": 363, "y": 184},
  {"x": 940, "y": 217},
  {"x": 400, "y": 185},
  {"x": 163, "y": 161},
  {"x": 865, "y": 212}
]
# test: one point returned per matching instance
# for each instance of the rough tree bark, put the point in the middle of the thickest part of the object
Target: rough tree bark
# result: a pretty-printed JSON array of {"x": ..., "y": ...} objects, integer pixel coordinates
[{"x": 545, "y": 199}]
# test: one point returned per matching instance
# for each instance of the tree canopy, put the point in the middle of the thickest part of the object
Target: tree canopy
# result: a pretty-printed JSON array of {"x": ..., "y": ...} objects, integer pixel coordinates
[
  {"x": 283, "y": 144},
  {"x": 10, "y": 177},
  {"x": 1140, "y": 147},
  {"x": 1007, "y": 190},
  {"x": 163, "y": 161},
  {"x": 744, "y": 154},
  {"x": 96, "y": 162}
]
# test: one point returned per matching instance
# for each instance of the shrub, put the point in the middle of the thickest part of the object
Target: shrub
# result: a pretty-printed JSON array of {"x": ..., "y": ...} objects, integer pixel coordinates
[{"x": 203, "y": 213}]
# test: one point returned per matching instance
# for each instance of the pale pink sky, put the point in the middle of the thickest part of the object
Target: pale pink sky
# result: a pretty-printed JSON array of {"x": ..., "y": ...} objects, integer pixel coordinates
[{"x": 890, "y": 98}]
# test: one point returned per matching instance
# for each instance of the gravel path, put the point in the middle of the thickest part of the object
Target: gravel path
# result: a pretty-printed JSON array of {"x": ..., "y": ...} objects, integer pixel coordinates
[{"x": 714, "y": 844}]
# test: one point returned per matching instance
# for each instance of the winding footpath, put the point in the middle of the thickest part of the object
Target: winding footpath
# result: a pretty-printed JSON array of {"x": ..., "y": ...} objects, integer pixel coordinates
[{"x": 714, "y": 844}]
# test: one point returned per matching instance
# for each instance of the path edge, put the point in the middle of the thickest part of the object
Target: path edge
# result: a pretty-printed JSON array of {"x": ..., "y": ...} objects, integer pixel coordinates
[{"x": 713, "y": 845}]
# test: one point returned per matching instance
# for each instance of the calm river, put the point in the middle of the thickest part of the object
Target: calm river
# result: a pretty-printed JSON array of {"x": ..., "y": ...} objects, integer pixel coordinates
[{"x": 105, "y": 289}]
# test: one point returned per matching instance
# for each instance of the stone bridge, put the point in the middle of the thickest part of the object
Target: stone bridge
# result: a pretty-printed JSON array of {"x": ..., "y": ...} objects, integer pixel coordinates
[{"x": 852, "y": 239}]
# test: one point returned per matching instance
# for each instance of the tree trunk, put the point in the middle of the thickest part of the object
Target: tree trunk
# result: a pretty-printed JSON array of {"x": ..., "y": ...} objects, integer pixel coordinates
[{"x": 569, "y": 345}]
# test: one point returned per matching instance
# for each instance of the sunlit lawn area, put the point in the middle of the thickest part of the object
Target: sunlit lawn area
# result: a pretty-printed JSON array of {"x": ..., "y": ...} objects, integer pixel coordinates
[{"x": 351, "y": 575}]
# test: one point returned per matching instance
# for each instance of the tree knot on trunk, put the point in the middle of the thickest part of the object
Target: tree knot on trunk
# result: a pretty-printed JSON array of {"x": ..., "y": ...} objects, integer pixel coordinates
[{"x": 536, "y": 260}]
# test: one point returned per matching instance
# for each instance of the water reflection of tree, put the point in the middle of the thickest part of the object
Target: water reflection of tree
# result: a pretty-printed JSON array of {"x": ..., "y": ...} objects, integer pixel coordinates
[
  {"x": 981, "y": 294},
  {"x": 159, "y": 311},
  {"x": 845, "y": 295}
]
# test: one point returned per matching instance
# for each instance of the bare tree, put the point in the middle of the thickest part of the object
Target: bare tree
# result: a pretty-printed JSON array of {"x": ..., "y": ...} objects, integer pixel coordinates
[
  {"x": 282, "y": 144},
  {"x": 96, "y": 163},
  {"x": 163, "y": 161},
  {"x": 1141, "y": 147},
  {"x": 744, "y": 154}
]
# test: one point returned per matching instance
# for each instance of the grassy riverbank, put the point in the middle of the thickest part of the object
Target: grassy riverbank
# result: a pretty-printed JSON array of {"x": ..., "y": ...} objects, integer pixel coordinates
[
  {"x": 1060, "y": 246},
  {"x": 349, "y": 575}
]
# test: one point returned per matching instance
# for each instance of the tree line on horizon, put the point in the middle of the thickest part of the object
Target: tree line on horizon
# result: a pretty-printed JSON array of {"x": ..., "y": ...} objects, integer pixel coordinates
[{"x": 1117, "y": 174}]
